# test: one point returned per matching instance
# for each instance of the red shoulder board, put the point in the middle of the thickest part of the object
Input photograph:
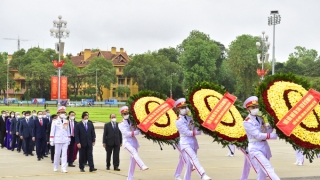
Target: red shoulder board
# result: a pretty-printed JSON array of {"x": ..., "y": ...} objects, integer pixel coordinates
[
  {"x": 178, "y": 118},
  {"x": 247, "y": 119}
]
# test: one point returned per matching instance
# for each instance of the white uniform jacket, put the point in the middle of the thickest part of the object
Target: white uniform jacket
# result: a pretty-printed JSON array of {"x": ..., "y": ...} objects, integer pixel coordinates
[
  {"x": 187, "y": 132},
  {"x": 58, "y": 134},
  {"x": 128, "y": 136},
  {"x": 257, "y": 134}
]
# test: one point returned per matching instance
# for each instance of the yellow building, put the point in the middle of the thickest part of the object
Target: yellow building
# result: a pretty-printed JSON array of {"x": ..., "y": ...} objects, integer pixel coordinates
[
  {"x": 119, "y": 60},
  {"x": 19, "y": 88}
]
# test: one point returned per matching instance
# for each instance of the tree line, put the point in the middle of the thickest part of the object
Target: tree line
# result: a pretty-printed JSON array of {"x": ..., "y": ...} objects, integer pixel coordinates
[{"x": 168, "y": 70}]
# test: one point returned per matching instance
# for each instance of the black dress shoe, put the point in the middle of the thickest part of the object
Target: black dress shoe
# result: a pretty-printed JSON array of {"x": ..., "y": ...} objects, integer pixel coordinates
[
  {"x": 82, "y": 170},
  {"x": 31, "y": 154},
  {"x": 71, "y": 165},
  {"x": 26, "y": 154},
  {"x": 116, "y": 169},
  {"x": 12, "y": 149},
  {"x": 39, "y": 159},
  {"x": 108, "y": 168},
  {"x": 51, "y": 161},
  {"x": 92, "y": 169},
  {"x": 45, "y": 156}
]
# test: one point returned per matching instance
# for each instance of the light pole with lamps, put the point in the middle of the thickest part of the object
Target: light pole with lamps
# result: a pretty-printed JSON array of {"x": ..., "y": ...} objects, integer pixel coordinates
[
  {"x": 274, "y": 19},
  {"x": 97, "y": 84},
  {"x": 7, "y": 80},
  {"x": 263, "y": 47},
  {"x": 59, "y": 32}
]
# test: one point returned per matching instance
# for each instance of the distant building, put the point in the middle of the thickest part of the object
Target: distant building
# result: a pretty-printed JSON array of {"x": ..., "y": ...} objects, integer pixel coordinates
[{"x": 119, "y": 60}]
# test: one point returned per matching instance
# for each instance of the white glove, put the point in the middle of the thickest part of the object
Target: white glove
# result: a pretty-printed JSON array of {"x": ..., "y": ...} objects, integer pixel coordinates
[
  {"x": 68, "y": 143},
  {"x": 51, "y": 143}
]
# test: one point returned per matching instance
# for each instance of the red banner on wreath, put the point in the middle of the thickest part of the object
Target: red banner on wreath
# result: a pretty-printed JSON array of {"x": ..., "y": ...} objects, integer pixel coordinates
[
  {"x": 54, "y": 87},
  {"x": 218, "y": 111},
  {"x": 299, "y": 112},
  {"x": 153, "y": 116},
  {"x": 63, "y": 87}
]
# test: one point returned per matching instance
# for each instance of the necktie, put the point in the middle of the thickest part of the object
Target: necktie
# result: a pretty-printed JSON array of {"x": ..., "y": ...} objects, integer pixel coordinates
[
  {"x": 128, "y": 122},
  {"x": 85, "y": 125},
  {"x": 28, "y": 122},
  {"x": 72, "y": 129},
  {"x": 114, "y": 127},
  {"x": 40, "y": 122}
]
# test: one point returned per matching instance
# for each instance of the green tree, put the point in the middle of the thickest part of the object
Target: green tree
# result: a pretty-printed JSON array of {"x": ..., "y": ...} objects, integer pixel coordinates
[
  {"x": 198, "y": 56},
  {"x": 152, "y": 71},
  {"x": 242, "y": 59},
  {"x": 37, "y": 68},
  {"x": 106, "y": 74},
  {"x": 171, "y": 53}
]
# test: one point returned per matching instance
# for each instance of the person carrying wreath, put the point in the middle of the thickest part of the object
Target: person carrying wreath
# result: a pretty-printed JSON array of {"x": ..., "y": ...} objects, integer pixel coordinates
[{"x": 257, "y": 133}]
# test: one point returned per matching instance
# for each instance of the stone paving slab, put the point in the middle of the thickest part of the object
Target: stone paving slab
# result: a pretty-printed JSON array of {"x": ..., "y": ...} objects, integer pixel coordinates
[{"x": 162, "y": 164}]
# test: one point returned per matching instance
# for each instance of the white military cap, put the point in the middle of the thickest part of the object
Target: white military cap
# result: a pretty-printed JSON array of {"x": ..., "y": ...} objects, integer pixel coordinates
[
  {"x": 180, "y": 103},
  {"x": 251, "y": 101},
  {"x": 61, "y": 109},
  {"x": 124, "y": 109}
]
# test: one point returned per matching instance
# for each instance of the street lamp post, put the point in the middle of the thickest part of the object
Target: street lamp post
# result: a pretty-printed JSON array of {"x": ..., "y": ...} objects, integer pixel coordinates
[
  {"x": 274, "y": 19},
  {"x": 59, "y": 32},
  {"x": 263, "y": 47},
  {"x": 97, "y": 84},
  {"x": 7, "y": 81}
]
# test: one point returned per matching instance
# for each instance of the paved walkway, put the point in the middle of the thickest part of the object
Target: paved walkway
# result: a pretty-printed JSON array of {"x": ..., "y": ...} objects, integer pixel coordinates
[{"x": 162, "y": 164}]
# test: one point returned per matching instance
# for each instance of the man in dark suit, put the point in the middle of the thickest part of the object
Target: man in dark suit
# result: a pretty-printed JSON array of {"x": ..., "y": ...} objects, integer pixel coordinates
[
  {"x": 47, "y": 112},
  {"x": 39, "y": 135},
  {"x": 85, "y": 156},
  {"x": 3, "y": 119},
  {"x": 72, "y": 125},
  {"x": 85, "y": 139},
  {"x": 20, "y": 141},
  {"x": 13, "y": 130},
  {"x": 53, "y": 118},
  {"x": 26, "y": 129},
  {"x": 112, "y": 141}
]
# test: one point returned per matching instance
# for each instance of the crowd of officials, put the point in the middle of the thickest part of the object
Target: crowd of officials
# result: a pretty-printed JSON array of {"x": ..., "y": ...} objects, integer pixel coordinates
[{"x": 59, "y": 136}]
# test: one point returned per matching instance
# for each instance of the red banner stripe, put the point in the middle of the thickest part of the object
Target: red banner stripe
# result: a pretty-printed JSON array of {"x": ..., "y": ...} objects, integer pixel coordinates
[
  {"x": 153, "y": 116},
  {"x": 218, "y": 111},
  {"x": 299, "y": 112}
]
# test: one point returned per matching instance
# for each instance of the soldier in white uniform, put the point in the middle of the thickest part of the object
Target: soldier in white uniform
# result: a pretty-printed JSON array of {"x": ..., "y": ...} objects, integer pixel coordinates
[
  {"x": 130, "y": 142},
  {"x": 60, "y": 138},
  {"x": 188, "y": 141},
  {"x": 299, "y": 158},
  {"x": 258, "y": 132}
]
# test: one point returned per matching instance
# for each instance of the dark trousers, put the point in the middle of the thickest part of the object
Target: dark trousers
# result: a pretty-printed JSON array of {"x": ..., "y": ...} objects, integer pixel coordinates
[
  {"x": 52, "y": 153},
  {"x": 47, "y": 148},
  {"x": 14, "y": 141},
  {"x": 19, "y": 143},
  {"x": 41, "y": 146},
  {"x": 2, "y": 136},
  {"x": 116, "y": 150},
  {"x": 28, "y": 144},
  {"x": 87, "y": 150},
  {"x": 71, "y": 150}
]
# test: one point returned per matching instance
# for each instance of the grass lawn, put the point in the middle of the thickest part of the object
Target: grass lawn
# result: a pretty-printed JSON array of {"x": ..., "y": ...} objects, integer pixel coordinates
[{"x": 96, "y": 114}]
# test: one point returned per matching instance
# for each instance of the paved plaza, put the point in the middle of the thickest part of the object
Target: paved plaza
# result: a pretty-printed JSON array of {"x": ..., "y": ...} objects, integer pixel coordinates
[{"x": 162, "y": 164}]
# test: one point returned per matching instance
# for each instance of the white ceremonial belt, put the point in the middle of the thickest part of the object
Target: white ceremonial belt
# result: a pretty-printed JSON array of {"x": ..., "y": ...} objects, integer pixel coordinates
[{"x": 255, "y": 140}]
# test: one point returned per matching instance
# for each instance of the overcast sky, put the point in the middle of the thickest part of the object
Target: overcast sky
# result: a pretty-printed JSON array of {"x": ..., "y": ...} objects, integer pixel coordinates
[{"x": 142, "y": 25}]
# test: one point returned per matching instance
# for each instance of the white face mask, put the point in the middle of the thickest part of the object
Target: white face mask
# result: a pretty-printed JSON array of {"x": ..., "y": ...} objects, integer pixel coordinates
[
  {"x": 62, "y": 116},
  {"x": 254, "y": 112},
  {"x": 113, "y": 119},
  {"x": 34, "y": 114},
  {"x": 18, "y": 116},
  {"x": 3, "y": 114},
  {"x": 183, "y": 111},
  {"x": 39, "y": 116},
  {"x": 71, "y": 117},
  {"x": 12, "y": 115},
  {"x": 85, "y": 121},
  {"x": 126, "y": 116},
  {"x": 27, "y": 117}
]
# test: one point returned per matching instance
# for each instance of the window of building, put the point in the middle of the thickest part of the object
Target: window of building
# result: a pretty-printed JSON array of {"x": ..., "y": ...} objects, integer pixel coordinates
[
  {"x": 120, "y": 69},
  {"x": 128, "y": 81},
  {"x": 120, "y": 81}
]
